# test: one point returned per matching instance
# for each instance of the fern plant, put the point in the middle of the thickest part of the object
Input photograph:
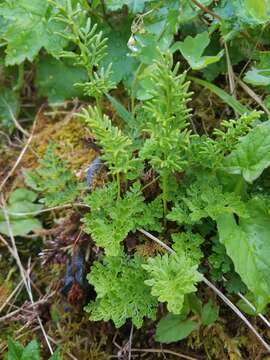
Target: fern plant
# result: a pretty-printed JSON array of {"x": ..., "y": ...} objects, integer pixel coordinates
[
  {"x": 121, "y": 292},
  {"x": 91, "y": 48},
  {"x": 171, "y": 277},
  {"x": 117, "y": 148},
  {"x": 112, "y": 218},
  {"x": 54, "y": 180},
  {"x": 166, "y": 122}
]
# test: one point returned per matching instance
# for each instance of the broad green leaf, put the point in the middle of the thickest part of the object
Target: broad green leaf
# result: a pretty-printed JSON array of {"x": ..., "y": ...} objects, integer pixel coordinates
[
  {"x": 247, "y": 243},
  {"x": 252, "y": 154},
  {"x": 173, "y": 328},
  {"x": 9, "y": 108},
  {"x": 258, "y": 9},
  {"x": 228, "y": 99},
  {"x": 243, "y": 306},
  {"x": 21, "y": 201},
  {"x": 118, "y": 53},
  {"x": 193, "y": 48},
  {"x": 209, "y": 313},
  {"x": 30, "y": 27},
  {"x": 15, "y": 350},
  {"x": 55, "y": 79},
  {"x": 31, "y": 351},
  {"x": 22, "y": 195},
  {"x": 258, "y": 77},
  {"x": 156, "y": 32}
]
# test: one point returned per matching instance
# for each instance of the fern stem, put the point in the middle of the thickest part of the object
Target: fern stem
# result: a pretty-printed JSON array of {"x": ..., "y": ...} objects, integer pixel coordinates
[
  {"x": 133, "y": 87},
  {"x": 164, "y": 197},
  {"x": 118, "y": 186},
  {"x": 98, "y": 105}
]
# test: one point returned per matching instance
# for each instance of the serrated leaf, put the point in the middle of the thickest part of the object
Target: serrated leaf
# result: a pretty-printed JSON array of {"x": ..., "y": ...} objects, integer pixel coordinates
[
  {"x": 192, "y": 49},
  {"x": 209, "y": 313},
  {"x": 248, "y": 245},
  {"x": 118, "y": 53},
  {"x": 29, "y": 28},
  {"x": 173, "y": 328},
  {"x": 119, "y": 298},
  {"x": 252, "y": 155},
  {"x": 171, "y": 277},
  {"x": 55, "y": 79}
]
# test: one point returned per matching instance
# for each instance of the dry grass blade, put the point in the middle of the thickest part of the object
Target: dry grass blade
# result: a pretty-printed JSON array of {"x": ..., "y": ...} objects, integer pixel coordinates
[
  {"x": 217, "y": 291},
  {"x": 230, "y": 70},
  {"x": 21, "y": 154},
  {"x": 165, "y": 351},
  {"x": 23, "y": 273},
  {"x": 252, "y": 94}
]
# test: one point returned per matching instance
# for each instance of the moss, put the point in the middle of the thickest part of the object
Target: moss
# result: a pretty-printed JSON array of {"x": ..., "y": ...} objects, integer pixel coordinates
[{"x": 69, "y": 135}]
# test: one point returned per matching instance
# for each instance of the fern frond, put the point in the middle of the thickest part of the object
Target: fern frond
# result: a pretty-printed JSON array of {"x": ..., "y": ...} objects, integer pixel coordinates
[
  {"x": 171, "y": 277},
  {"x": 167, "y": 118},
  {"x": 112, "y": 218},
  {"x": 90, "y": 43},
  {"x": 54, "y": 180},
  {"x": 121, "y": 292},
  {"x": 117, "y": 147}
]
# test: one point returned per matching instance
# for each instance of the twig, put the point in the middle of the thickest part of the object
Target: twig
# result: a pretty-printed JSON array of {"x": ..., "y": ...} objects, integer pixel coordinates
[
  {"x": 230, "y": 70},
  {"x": 32, "y": 305},
  {"x": 16, "y": 256},
  {"x": 217, "y": 291},
  {"x": 16, "y": 123},
  {"x": 59, "y": 207},
  {"x": 10, "y": 296},
  {"x": 252, "y": 94},
  {"x": 182, "y": 356},
  {"x": 266, "y": 321},
  {"x": 205, "y": 9},
  {"x": 252, "y": 307},
  {"x": 130, "y": 342}
]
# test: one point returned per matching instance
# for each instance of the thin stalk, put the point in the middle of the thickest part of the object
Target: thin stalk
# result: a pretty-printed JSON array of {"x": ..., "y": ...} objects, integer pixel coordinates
[
  {"x": 98, "y": 105},
  {"x": 118, "y": 186},
  {"x": 133, "y": 88},
  {"x": 164, "y": 197}
]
